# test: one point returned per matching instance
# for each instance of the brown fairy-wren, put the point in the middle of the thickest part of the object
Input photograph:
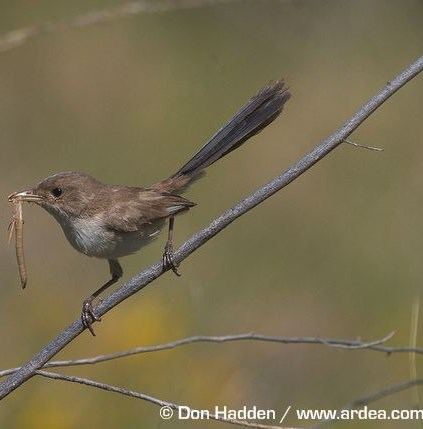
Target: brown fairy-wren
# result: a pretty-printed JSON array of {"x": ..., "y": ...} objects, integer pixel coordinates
[{"x": 111, "y": 221}]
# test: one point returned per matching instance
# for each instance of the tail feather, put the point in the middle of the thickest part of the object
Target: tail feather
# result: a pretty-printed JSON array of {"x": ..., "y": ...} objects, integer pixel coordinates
[{"x": 259, "y": 112}]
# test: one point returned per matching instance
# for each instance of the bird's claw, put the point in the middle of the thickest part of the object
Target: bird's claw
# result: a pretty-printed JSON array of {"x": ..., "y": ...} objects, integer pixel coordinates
[
  {"x": 167, "y": 259},
  {"x": 88, "y": 316}
]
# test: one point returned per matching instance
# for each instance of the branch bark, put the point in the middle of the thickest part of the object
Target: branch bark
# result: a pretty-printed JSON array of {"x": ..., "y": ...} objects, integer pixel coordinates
[
  {"x": 152, "y": 399},
  {"x": 376, "y": 345},
  {"x": 18, "y": 37},
  {"x": 373, "y": 397},
  {"x": 144, "y": 278}
]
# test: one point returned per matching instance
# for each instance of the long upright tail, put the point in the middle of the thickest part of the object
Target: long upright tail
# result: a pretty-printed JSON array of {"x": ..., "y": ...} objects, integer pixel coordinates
[{"x": 259, "y": 112}]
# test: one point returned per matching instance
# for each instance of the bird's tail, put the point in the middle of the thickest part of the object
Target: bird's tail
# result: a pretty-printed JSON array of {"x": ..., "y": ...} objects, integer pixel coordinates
[{"x": 259, "y": 112}]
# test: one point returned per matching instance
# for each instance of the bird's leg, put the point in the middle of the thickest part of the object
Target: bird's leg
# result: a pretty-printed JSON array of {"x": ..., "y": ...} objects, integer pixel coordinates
[
  {"x": 168, "y": 250},
  {"x": 88, "y": 316}
]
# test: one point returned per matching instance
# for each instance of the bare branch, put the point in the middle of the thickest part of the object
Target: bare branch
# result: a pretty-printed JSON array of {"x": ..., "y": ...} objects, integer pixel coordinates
[
  {"x": 383, "y": 393},
  {"x": 144, "y": 278},
  {"x": 415, "y": 310},
  {"x": 358, "y": 403},
  {"x": 16, "y": 38},
  {"x": 151, "y": 399},
  {"x": 329, "y": 342},
  {"x": 375, "y": 149},
  {"x": 373, "y": 397}
]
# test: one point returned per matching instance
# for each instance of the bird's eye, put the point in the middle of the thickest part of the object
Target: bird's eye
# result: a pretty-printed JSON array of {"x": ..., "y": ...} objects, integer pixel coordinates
[{"x": 56, "y": 192}]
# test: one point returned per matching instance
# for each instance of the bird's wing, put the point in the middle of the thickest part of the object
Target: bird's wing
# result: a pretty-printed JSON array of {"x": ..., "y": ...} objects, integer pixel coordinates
[{"x": 133, "y": 208}]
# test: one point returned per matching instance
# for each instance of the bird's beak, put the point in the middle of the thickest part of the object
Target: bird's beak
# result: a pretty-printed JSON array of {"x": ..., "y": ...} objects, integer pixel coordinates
[{"x": 28, "y": 195}]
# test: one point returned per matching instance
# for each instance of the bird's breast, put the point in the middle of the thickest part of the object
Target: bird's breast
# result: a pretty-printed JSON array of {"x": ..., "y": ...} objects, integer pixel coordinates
[{"x": 91, "y": 237}]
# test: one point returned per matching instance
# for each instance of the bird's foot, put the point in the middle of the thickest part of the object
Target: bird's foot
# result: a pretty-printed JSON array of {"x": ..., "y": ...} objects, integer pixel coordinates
[
  {"x": 88, "y": 316},
  {"x": 167, "y": 258}
]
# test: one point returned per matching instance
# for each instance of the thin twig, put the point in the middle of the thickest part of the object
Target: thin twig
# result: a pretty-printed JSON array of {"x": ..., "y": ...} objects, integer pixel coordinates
[
  {"x": 383, "y": 393},
  {"x": 358, "y": 344},
  {"x": 16, "y": 38},
  {"x": 357, "y": 403},
  {"x": 144, "y": 278},
  {"x": 329, "y": 342},
  {"x": 373, "y": 397},
  {"x": 415, "y": 309},
  {"x": 151, "y": 399},
  {"x": 374, "y": 148}
]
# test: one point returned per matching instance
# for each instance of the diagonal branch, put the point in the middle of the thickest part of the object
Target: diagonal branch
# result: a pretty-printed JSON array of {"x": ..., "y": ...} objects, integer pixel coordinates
[
  {"x": 144, "y": 278},
  {"x": 357, "y": 403},
  {"x": 151, "y": 399},
  {"x": 373, "y": 397}
]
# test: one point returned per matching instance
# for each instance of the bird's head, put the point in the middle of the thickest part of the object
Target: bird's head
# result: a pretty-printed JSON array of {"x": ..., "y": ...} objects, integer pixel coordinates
[{"x": 65, "y": 194}]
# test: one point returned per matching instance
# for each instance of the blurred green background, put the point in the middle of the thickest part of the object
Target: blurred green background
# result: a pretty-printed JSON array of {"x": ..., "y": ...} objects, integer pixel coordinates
[{"x": 336, "y": 254}]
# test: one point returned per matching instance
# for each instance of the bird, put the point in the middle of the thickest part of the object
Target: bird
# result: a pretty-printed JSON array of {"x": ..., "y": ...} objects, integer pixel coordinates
[{"x": 112, "y": 221}]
